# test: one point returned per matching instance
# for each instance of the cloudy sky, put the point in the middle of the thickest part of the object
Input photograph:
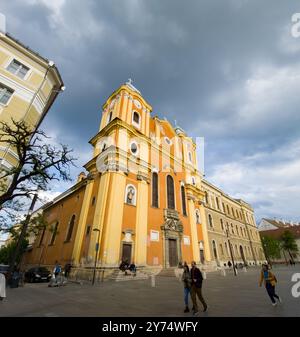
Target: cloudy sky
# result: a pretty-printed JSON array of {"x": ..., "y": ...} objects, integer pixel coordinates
[{"x": 227, "y": 70}]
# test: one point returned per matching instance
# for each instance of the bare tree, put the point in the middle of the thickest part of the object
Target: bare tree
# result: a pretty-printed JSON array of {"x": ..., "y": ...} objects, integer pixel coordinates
[{"x": 38, "y": 163}]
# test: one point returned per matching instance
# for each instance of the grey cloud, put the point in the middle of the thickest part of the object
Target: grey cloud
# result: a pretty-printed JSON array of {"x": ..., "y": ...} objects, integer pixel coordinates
[{"x": 182, "y": 56}]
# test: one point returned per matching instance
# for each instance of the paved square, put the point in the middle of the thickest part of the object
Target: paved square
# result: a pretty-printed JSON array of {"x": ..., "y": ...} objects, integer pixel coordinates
[{"x": 226, "y": 296}]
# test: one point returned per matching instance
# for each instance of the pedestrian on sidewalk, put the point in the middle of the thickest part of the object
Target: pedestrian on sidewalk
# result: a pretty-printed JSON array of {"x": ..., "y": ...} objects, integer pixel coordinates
[
  {"x": 57, "y": 269},
  {"x": 196, "y": 289},
  {"x": 270, "y": 281},
  {"x": 67, "y": 269},
  {"x": 187, "y": 283},
  {"x": 2, "y": 287}
]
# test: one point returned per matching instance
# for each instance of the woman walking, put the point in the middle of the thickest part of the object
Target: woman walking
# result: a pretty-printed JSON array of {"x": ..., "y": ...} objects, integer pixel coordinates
[
  {"x": 270, "y": 281},
  {"x": 187, "y": 283}
]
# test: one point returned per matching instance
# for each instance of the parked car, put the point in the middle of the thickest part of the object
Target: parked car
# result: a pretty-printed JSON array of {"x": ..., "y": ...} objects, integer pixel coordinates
[
  {"x": 4, "y": 269},
  {"x": 38, "y": 274}
]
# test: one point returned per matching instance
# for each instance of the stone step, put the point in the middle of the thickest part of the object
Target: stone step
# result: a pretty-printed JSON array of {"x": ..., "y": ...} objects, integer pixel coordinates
[
  {"x": 119, "y": 276},
  {"x": 168, "y": 272}
]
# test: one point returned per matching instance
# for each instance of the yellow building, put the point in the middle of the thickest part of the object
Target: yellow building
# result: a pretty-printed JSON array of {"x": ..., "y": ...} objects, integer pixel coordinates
[
  {"x": 141, "y": 200},
  {"x": 29, "y": 84},
  {"x": 232, "y": 230}
]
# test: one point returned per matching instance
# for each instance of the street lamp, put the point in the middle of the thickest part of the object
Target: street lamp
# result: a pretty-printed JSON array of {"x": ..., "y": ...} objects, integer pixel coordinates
[
  {"x": 97, "y": 253},
  {"x": 231, "y": 254}
]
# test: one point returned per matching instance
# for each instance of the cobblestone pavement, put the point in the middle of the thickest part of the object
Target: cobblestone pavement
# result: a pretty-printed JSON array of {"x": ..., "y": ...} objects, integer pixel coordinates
[{"x": 226, "y": 296}]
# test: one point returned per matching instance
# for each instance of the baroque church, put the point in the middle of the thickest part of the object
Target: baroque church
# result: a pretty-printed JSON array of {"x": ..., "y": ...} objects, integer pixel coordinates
[{"x": 144, "y": 200}]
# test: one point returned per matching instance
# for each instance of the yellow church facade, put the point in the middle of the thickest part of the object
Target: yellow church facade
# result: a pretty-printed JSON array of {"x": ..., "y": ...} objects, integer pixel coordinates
[{"x": 142, "y": 198}]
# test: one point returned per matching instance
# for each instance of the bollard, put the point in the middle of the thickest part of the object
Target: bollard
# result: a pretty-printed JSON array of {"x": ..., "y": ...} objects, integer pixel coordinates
[
  {"x": 152, "y": 280},
  {"x": 223, "y": 272},
  {"x": 204, "y": 275}
]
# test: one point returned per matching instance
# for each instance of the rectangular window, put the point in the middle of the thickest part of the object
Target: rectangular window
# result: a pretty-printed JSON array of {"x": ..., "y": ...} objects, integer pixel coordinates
[
  {"x": 18, "y": 69},
  {"x": 186, "y": 240},
  {"x": 54, "y": 233},
  {"x": 88, "y": 230},
  {"x": 42, "y": 236},
  {"x": 154, "y": 235},
  {"x": 5, "y": 93}
]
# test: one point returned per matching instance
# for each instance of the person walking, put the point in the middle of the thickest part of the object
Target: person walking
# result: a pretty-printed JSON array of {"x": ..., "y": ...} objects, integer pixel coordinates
[
  {"x": 57, "y": 269},
  {"x": 187, "y": 283},
  {"x": 196, "y": 288},
  {"x": 270, "y": 281},
  {"x": 67, "y": 269}
]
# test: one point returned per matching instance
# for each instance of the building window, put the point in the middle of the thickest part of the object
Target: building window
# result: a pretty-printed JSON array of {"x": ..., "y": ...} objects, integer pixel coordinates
[
  {"x": 224, "y": 210},
  {"x": 222, "y": 225},
  {"x": 217, "y": 202},
  {"x": 154, "y": 235},
  {"x": 130, "y": 195},
  {"x": 206, "y": 198},
  {"x": 71, "y": 227},
  {"x": 42, "y": 236},
  {"x": 154, "y": 189},
  {"x": 215, "y": 249},
  {"x": 228, "y": 210},
  {"x": 54, "y": 233},
  {"x": 170, "y": 192},
  {"x": 5, "y": 93},
  {"x": 93, "y": 201},
  {"x": 232, "y": 211},
  {"x": 88, "y": 230},
  {"x": 18, "y": 69},
  {"x": 210, "y": 221},
  {"x": 226, "y": 248},
  {"x": 168, "y": 141},
  {"x": 109, "y": 117},
  {"x": 190, "y": 157},
  {"x": 186, "y": 240},
  {"x": 136, "y": 119},
  {"x": 236, "y": 230},
  {"x": 232, "y": 230},
  {"x": 134, "y": 149},
  {"x": 194, "y": 181},
  {"x": 197, "y": 215},
  {"x": 221, "y": 247},
  {"x": 183, "y": 200}
]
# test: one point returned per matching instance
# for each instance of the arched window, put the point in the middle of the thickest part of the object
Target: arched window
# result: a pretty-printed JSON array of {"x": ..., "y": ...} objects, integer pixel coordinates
[
  {"x": 217, "y": 202},
  {"x": 193, "y": 181},
  {"x": 226, "y": 248},
  {"x": 170, "y": 192},
  {"x": 222, "y": 225},
  {"x": 109, "y": 117},
  {"x": 232, "y": 230},
  {"x": 190, "y": 157},
  {"x": 54, "y": 233},
  {"x": 210, "y": 221},
  {"x": 206, "y": 198},
  {"x": 228, "y": 210},
  {"x": 71, "y": 227},
  {"x": 42, "y": 236},
  {"x": 198, "y": 219},
  {"x": 232, "y": 211},
  {"x": 183, "y": 200},
  {"x": 214, "y": 249},
  {"x": 136, "y": 119},
  {"x": 130, "y": 195},
  {"x": 154, "y": 189}
]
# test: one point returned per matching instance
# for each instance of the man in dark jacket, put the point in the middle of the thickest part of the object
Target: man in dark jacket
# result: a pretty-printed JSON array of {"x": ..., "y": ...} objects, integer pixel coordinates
[{"x": 196, "y": 289}]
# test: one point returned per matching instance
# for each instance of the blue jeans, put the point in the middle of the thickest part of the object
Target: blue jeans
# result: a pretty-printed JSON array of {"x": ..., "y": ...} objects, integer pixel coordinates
[{"x": 186, "y": 295}]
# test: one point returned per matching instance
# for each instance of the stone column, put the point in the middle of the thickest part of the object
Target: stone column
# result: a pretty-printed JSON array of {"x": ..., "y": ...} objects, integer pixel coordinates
[
  {"x": 194, "y": 235},
  {"x": 141, "y": 223}
]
